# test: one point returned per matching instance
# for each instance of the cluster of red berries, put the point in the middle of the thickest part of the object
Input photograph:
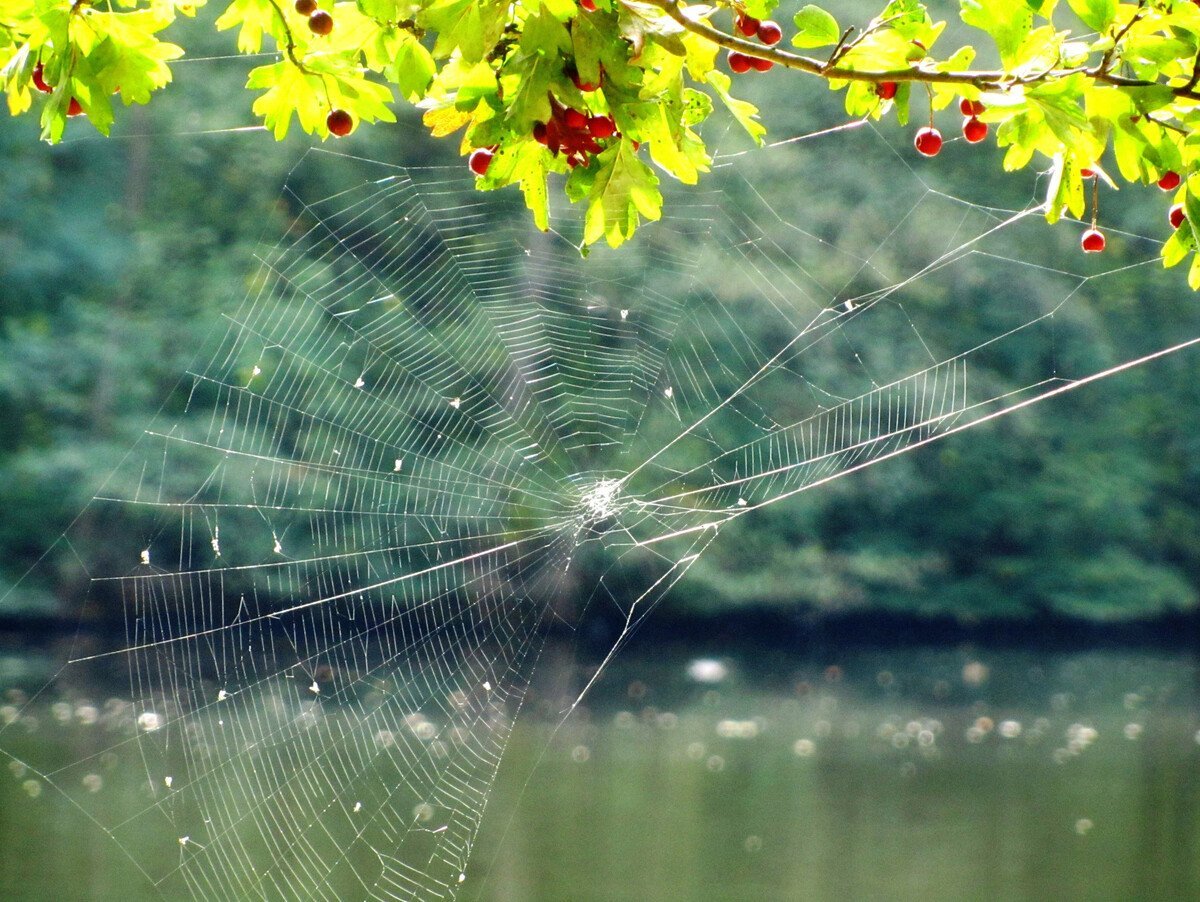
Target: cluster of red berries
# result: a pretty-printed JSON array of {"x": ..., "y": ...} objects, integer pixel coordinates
[
  {"x": 74, "y": 107},
  {"x": 319, "y": 21},
  {"x": 1093, "y": 241},
  {"x": 573, "y": 133},
  {"x": 973, "y": 130},
  {"x": 1169, "y": 182},
  {"x": 928, "y": 140},
  {"x": 766, "y": 31}
]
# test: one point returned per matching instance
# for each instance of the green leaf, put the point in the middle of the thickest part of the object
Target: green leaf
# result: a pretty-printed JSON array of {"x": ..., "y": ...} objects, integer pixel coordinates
[
  {"x": 1065, "y": 191},
  {"x": 1007, "y": 21},
  {"x": 639, "y": 21},
  {"x": 255, "y": 17},
  {"x": 697, "y": 106},
  {"x": 1194, "y": 274},
  {"x": 128, "y": 56},
  {"x": 743, "y": 111},
  {"x": 882, "y": 51},
  {"x": 815, "y": 28},
  {"x": 590, "y": 37},
  {"x": 1176, "y": 248},
  {"x": 470, "y": 26},
  {"x": 760, "y": 9},
  {"x": 1096, "y": 14},
  {"x": 1129, "y": 148},
  {"x": 413, "y": 68},
  {"x": 623, "y": 189},
  {"x": 676, "y": 149},
  {"x": 530, "y": 73},
  {"x": 525, "y": 163},
  {"x": 288, "y": 91}
]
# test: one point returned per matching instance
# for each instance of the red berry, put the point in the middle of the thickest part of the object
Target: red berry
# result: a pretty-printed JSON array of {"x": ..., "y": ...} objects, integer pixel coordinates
[
  {"x": 928, "y": 141},
  {"x": 748, "y": 25},
  {"x": 320, "y": 22},
  {"x": 39, "y": 80},
  {"x": 587, "y": 5},
  {"x": 602, "y": 126},
  {"x": 1170, "y": 180},
  {"x": 974, "y": 130},
  {"x": 769, "y": 32},
  {"x": 886, "y": 90},
  {"x": 575, "y": 120},
  {"x": 739, "y": 62},
  {"x": 74, "y": 108},
  {"x": 1176, "y": 217},
  {"x": 970, "y": 107},
  {"x": 1092, "y": 241},
  {"x": 759, "y": 64},
  {"x": 1087, "y": 173},
  {"x": 480, "y": 160},
  {"x": 306, "y": 7},
  {"x": 339, "y": 123},
  {"x": 539, "y": 132}
]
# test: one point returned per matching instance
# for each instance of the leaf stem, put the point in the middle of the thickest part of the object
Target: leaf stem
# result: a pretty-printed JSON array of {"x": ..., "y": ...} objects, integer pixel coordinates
[{"x": 290, "y": 44}]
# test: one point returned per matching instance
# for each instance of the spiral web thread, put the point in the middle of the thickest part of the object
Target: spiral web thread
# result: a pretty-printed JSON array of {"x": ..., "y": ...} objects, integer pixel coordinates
[{"x": 422, "y": 423}]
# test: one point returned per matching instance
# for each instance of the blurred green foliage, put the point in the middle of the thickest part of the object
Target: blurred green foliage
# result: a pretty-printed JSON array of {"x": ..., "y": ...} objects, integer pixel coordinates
[{"x": 118, "y": 255}]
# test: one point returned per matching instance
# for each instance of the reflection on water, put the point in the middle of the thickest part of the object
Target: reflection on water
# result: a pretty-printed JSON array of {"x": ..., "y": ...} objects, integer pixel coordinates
[{"x": 869, "y": 774}]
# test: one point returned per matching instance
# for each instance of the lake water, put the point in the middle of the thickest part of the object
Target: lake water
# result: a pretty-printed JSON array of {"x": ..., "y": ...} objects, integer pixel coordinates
[{"x": 906, "y": 774}]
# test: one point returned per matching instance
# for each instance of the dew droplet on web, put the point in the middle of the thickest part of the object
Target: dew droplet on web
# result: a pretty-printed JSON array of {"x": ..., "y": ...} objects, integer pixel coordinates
[
  {"x": 422, "y": 813},
  {"x": 149, "y": 721}
]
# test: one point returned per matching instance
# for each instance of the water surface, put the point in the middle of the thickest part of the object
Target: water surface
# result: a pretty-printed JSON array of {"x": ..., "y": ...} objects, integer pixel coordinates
[{"x": 907, "y": 774}]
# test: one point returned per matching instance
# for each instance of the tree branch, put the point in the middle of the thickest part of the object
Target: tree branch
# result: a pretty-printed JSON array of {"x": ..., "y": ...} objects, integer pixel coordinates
[{"x": 984, "y": 79}]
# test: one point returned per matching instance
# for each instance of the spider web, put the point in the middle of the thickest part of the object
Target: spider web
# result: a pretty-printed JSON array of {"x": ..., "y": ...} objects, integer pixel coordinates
[{"x": 429, "y": 433}]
